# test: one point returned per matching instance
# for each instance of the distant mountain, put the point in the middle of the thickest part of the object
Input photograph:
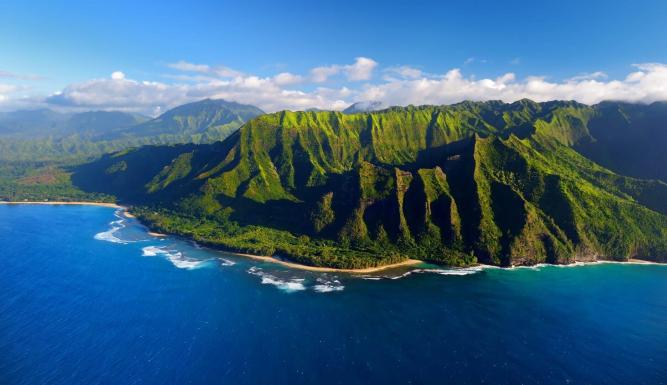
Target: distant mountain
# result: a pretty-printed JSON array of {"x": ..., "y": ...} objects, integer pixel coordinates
[
  {"x": 45, "y": 123},
  {"x": 31, "y": 123},
  {"x": 210, "y": 119},
  {"x": 491, "y": 182},
  {"x": 363, "y": 107},
  {"x": 98, "y": 123},
  {"x": 49, "y": 135}
]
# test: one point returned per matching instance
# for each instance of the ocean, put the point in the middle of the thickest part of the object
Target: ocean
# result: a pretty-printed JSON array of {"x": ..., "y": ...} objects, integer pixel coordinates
[{"x": 88, "y": 297}]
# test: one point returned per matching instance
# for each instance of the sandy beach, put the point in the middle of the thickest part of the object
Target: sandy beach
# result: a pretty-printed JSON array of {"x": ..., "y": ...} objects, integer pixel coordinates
[
  {"x": 409, "y": 262},
  {"x": 642, "y": 262}
]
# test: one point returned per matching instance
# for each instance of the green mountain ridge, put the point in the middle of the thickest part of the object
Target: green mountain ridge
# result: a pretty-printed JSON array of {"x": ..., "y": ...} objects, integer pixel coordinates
[
  {"x": 48, "y": 124},
  {"x": 46, "y": 135},
  {"x": 204, "y": 121},
  {"x": 95, "y": 123},
  {"x": 491, "y": 182}
]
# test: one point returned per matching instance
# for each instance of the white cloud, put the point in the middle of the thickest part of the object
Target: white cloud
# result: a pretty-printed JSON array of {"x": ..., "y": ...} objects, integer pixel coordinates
[
  {"x": 400, "y": 85},
  {"x": 286, "y": 78},
  {"x": 648, "y": 84},
  {"x": 322, "y": 74},
  {"x": 218, "y": 71},
  {"x": 268, "y": 93},
  {"x": 226, "y": 72},
  {"x": 7, "y": 88},
  {"x": 118, "y": 93},
  {"x": 406, "y": 72},
  {"x": 362, "y": 69},
  {"x": 6, "y": 91},
  {"x": 588, "y": 76}
]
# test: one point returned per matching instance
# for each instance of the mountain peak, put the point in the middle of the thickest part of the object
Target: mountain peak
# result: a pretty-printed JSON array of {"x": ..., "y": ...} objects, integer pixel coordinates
[
  {"x": 365, "y": 106},
  {"x": 213, "y": 118}
]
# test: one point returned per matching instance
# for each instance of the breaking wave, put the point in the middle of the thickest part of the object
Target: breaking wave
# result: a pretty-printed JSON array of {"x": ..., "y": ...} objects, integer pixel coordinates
[
  {"x": 226, "y": 262},
  {"x": 328, "y": 285},
  {"x": 291, "y": 285},
  {"x": 450, "y": 271},
  {"x": 322, "y": 284},
  {"x": 109, "y": 235},
  {"x": 175, "y": 257}
]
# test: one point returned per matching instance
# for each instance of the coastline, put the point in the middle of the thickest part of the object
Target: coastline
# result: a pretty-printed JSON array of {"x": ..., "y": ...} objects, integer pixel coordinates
[
  {"x": 74, "y": 203},
  {"x": 293, "y": 265}
]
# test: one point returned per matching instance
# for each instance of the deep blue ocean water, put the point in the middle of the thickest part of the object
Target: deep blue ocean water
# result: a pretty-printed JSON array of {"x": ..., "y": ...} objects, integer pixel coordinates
[{"x": 88, "y": 297}]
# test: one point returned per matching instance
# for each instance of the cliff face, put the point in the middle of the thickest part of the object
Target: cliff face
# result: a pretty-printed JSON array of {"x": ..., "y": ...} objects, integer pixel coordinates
[{"x": 500, "y": 182}]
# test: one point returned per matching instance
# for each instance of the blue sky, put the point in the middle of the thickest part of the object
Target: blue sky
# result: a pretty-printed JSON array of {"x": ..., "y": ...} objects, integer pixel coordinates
[{"x": 47, "y": 48}]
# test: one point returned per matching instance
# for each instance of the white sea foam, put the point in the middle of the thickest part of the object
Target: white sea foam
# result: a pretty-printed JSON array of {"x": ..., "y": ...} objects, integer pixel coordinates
[
  {"x": 539, "y": 266},
  {"x": 479, "y": 268},
  {"x": 175, "y": 257},
  {"x": 226, "y": 262},
  {"x": 328, "y": 285},
  {"x": 451, "y": 271},
  {"x": 291, "y": 285},
  {"x": 151, "y": 251},
  {"x": 109, "y": 235}
]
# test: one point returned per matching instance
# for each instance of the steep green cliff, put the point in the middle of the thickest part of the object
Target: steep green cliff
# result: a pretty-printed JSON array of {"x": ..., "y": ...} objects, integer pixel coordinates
[{"x": 493, "y": 182}]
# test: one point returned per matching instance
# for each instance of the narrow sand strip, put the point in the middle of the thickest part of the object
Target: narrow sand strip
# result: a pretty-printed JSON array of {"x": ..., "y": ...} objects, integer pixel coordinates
[
  {"x": 642, "y": 262},
  {"x": 409, "y": 262}
]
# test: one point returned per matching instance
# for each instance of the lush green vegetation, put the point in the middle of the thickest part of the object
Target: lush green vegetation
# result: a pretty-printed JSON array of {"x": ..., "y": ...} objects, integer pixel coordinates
[
  {"x": 38, "y": 181},
  {"x": 493, "y": 182},
  {"x": 217, "y": 230}
]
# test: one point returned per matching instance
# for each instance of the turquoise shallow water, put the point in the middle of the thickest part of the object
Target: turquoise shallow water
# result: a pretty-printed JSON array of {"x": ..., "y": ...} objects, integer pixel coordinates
[{"x": 87, "y": 297}]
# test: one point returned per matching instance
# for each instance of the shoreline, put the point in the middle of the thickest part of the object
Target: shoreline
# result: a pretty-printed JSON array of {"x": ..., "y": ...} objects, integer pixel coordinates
[
  {"x": 294, "y": 265},
  {"x": 69, "y": 203},
  {"x": 299, "y": 266},
  {"x": 642, "y": 262},
  {"x": 413, "y": 262}
]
